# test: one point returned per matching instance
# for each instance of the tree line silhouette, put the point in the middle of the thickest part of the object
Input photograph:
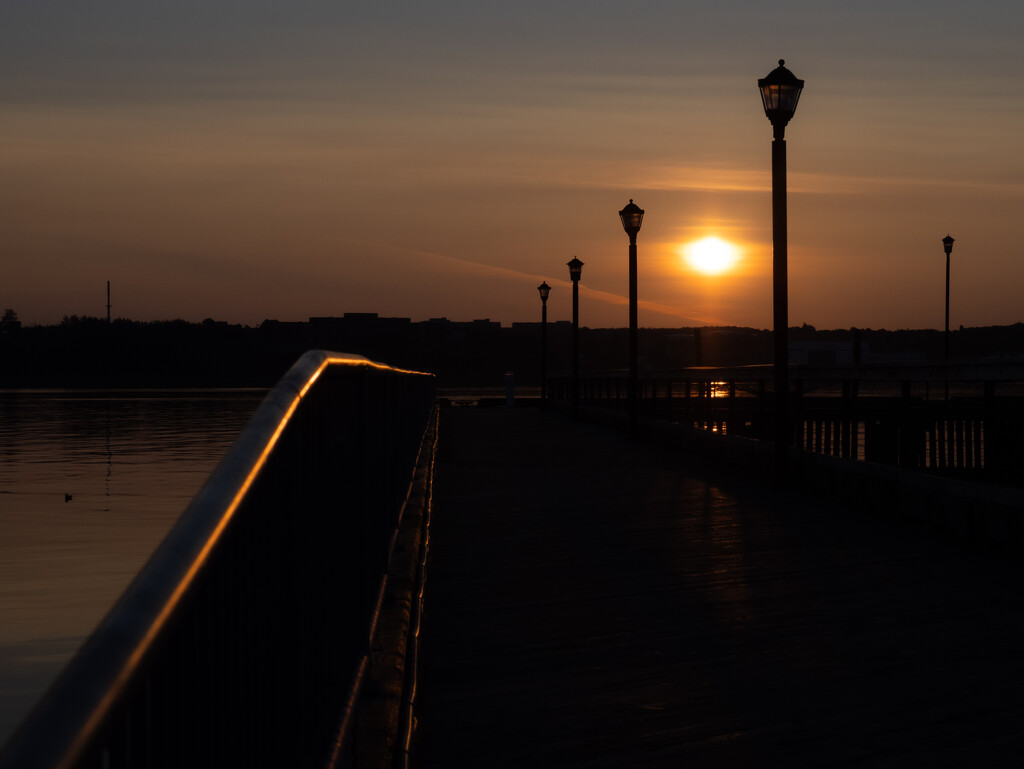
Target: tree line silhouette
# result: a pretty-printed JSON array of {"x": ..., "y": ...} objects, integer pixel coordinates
[{"x": 90, "y": 352}]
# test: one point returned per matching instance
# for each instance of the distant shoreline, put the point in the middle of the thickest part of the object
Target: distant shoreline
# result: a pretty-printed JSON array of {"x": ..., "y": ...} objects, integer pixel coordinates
[{"x": 92, "y": 354}]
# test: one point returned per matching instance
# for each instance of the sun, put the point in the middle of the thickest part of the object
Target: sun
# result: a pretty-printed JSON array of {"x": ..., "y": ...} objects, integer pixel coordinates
[{"x": 712, "y": 256}]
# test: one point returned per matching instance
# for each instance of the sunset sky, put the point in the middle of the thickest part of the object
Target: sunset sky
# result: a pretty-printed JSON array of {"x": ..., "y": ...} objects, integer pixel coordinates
[{"x": 251, "y": 160}]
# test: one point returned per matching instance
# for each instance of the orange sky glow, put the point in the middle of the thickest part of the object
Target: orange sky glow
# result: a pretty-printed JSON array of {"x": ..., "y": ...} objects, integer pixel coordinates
[{"x": 251, "y": 161}]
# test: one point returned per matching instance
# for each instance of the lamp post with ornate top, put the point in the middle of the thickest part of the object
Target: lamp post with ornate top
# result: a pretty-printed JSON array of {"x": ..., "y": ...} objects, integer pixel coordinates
[
  {"x": 575, "y": 271},
  {"x": 947, "y": 245},
  {"x": 544, "y": 290},
  {"x": 632, "y": 216},
  {"x": 780, "y": 92}
]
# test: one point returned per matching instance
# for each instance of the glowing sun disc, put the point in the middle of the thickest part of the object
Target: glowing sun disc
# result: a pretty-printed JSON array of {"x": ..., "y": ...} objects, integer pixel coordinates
[{"x": 712, "y": 256}]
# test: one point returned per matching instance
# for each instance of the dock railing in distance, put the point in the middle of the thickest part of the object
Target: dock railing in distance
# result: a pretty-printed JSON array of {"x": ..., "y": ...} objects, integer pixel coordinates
[
  {"x": 243, "y": 640},
  {"x": 898, "y": 416}
]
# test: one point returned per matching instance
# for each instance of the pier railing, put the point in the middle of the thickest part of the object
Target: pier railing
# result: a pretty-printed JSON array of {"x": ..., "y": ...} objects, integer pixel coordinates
[
  {"x": 244, "y": 640},
  {"x": 959, "y": 421}
]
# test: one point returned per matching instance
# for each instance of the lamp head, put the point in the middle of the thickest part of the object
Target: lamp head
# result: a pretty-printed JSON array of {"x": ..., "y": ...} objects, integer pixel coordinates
[
  {"x": 947, "y": 245},
  {"x": 631, "y": 215},
  {"x": 575, "y": 270},
  {"x": 544, "y": 290},
  {"x": 780, "y": 92}
]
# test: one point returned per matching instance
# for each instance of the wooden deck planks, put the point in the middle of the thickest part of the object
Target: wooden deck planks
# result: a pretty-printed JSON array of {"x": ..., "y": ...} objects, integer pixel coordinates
[{"x": 596, "y": 602}]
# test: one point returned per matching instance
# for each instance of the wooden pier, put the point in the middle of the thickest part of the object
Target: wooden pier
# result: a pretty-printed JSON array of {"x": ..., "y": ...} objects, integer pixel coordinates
[{"x": 593, "y": 601}]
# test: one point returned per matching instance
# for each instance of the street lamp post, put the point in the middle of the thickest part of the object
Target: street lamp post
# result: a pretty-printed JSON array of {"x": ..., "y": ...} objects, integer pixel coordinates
[
  {"x": 947, "y": 245},
  {"x": 632, "y": 216},
  {"x": 780, "y": 92},
  {"x": 575, "y": 270},
  {"x": 544, "y": 290}
]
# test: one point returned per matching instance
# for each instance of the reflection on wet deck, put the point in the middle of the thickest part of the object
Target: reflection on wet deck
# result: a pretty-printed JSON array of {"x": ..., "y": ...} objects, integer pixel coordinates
[{"x": 597, "y": 602}]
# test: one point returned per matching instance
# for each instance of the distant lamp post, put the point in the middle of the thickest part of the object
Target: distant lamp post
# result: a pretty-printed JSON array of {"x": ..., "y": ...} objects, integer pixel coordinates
[
  {"x": 947, "y": 245},
  {"x": 780, "y": 92},
  {"x": 632, "y": 216},
  {"x": 575, "y": 271},
  {"x": 544, "y": 290}
]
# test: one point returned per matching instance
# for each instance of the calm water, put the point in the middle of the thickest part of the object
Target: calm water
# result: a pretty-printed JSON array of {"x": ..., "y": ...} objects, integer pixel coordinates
[{"x": 131, "y": 463}]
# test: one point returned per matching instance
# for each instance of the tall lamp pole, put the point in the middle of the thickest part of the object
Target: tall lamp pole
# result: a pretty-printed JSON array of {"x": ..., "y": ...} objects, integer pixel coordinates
[
  {"x": 780, "y": 92},
  {"x": 632, "y": 216},
  {"x": 544, "y": 290},
  {"x": 575, "y": 270},
  {"x": 947, "y": 245}
]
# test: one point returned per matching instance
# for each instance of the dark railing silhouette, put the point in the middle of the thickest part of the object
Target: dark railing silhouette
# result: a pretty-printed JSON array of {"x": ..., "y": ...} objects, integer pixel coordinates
[
  {"x": 894, "y": 416},
  {"x": 244, "y": 640}
]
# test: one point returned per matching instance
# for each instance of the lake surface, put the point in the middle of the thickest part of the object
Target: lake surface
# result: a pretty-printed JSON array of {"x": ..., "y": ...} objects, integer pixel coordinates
[{"x": 131, "y": 462}]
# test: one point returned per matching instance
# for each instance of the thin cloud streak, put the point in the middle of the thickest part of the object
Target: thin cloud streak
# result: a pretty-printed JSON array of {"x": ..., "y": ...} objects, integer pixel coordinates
[{"x": 478, "y": 268}]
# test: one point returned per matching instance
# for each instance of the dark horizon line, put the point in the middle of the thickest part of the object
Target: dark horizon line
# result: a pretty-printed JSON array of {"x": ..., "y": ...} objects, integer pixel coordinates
[{"x": 481, "y": 321}]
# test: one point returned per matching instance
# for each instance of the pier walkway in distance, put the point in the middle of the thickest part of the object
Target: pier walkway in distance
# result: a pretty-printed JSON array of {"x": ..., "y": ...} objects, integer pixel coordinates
[{"x": 593, "y": 601}]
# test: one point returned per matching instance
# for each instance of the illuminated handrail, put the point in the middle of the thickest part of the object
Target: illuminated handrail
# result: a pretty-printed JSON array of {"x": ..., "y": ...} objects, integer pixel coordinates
[{"x": 242, "y": 639}]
